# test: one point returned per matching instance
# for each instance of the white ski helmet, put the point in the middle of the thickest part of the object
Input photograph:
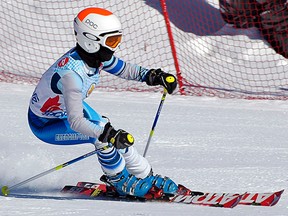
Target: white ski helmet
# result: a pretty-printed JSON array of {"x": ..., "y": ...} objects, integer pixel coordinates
[{"x": 96, "y": 26}]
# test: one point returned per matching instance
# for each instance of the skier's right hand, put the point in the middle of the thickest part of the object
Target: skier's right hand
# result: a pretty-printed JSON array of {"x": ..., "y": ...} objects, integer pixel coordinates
[{"x": 120, "y": 138}]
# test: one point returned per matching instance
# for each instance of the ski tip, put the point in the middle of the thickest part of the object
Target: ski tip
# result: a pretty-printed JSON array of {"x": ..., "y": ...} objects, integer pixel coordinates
[
  {"x": 5, "y": 191},
  {"x": 277, "y": 197}
]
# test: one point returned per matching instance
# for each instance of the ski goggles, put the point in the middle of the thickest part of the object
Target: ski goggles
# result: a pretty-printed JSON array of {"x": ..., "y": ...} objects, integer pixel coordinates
[{"x": 111, "y": 41}]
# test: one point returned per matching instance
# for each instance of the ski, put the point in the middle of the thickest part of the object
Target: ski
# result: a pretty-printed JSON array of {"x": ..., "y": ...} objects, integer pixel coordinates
[
  {"x": 256, "y": 199},
  {"x": 225, "y": 200},
  {"x": 208, "y": 199},
  {"x": 261, "y": 199}
]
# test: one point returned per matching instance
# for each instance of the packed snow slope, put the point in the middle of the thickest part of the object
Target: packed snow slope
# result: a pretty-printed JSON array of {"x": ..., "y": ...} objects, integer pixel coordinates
[{"x": 207, "y": 144}]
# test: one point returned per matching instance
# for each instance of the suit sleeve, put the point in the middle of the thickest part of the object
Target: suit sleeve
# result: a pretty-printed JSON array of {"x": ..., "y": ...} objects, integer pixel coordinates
[
  {"x": 72, "y": 93},
  {"x": 125, "y": 70}
]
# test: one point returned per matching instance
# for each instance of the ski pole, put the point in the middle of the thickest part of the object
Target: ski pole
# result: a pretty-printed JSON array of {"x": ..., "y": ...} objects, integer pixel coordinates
[
  {"x": 6, "y": 190},
  {"x": 155, "y": 120}
]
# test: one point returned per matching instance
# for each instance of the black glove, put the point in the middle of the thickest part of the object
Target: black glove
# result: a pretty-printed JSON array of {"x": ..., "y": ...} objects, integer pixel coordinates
[
  {"x": 158, "y": 77},
  {"x": 120, "y": 138}
]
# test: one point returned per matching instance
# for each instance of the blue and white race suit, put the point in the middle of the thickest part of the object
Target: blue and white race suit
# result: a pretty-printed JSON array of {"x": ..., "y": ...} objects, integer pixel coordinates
[{"x": 58, "y": 113}]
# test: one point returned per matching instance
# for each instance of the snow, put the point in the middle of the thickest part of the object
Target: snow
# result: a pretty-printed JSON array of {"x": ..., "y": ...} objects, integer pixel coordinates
[{"x": 207, "y": 144}]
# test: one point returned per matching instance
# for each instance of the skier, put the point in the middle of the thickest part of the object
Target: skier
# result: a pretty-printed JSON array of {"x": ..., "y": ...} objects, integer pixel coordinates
[{"x": 59, "y": 115}]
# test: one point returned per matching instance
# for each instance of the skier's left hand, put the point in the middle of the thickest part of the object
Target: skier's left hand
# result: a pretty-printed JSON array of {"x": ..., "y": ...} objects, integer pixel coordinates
[{"x": 159, "y": 77}]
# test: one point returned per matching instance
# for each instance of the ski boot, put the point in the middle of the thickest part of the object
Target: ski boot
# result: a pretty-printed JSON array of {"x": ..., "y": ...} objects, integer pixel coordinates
[
  {"x": 169, "y": 187},
  {"x": 151, "y": 187},
  {"x": 165, "y": 184},
  {"x": 127, "y": 184}
]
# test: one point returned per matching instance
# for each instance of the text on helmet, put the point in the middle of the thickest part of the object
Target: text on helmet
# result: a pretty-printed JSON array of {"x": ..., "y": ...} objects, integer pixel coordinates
[{"x": 90, "y": 23}]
